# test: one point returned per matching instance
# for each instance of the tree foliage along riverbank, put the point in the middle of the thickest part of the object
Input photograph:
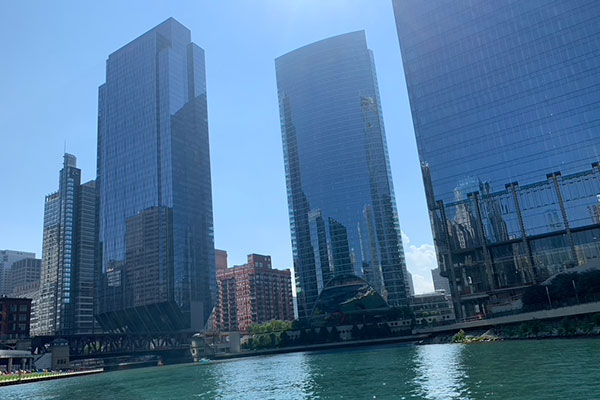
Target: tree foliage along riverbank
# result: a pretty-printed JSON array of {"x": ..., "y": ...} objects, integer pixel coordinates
[
  {"x": 334, "y": 327},
  {"x": 263, "y": 339},
  {"x": 271, "y": 326},
  {"x": 575, "y": 326}
]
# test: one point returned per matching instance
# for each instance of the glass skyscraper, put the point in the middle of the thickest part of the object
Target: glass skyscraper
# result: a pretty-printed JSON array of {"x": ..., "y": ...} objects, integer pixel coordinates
[
  {"x": 341, "y": 200},
  {"x": 156, "y": 257},
  {"x": 505, "y": 103},
  {"x": 66, "y": 297}
]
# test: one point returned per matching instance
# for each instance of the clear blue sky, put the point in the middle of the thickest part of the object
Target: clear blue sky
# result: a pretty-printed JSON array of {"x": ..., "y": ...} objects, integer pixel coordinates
[{"x": 53, "y": 61}]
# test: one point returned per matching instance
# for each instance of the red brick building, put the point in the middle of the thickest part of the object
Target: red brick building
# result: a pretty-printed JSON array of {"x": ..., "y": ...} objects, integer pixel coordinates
[
  {"x": 220, "y": 259},
  {"x": 253, "y": 293},
  {"x": 15, "y": 317}
]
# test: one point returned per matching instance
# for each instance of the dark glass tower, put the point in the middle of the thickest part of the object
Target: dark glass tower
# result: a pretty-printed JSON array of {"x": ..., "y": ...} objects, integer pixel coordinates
[
  {"x": 156, "y": 257},
  {"x": 504, "y": 98},
  {"x": 340, "y": 195}
]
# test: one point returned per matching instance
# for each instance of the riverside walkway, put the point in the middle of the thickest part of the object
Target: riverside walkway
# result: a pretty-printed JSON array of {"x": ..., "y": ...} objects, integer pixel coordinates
[
  {"x": 580, "y": 309},
  {"x": 15, "y": 379}
]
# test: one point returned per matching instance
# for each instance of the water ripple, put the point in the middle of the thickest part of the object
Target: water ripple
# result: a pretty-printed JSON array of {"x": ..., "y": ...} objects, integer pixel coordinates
[
  {"x": 534, "y": 370},
  {"x": 440, "y": 374}
]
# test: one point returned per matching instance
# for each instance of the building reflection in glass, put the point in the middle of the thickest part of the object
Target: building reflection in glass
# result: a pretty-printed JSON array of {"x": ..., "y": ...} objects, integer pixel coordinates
[
  {"x": 347, "y": 294},
  {"x": 156, "y": 257},
  {"x": 342, "y": 210},
  {"x": 522, "y": 235},
  {"x": 506, "y": 120}
]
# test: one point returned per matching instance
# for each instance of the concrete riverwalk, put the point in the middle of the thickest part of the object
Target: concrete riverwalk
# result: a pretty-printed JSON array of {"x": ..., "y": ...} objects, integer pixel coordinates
[
  {"x": 15, "y": 379},
  {"x": 579, "y": 309}
]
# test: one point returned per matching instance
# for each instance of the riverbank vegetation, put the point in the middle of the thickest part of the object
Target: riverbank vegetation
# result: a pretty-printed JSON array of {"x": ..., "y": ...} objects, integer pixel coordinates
[
  {"x": 585, "y": 325},
  {"x": 335, "y": 328},
  {"x": 574, "y": 326},
  {"x": 271, "y": 326}
]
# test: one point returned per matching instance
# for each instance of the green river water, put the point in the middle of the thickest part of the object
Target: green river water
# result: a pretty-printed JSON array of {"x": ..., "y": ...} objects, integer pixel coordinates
[{"x": 546, "y": 369}]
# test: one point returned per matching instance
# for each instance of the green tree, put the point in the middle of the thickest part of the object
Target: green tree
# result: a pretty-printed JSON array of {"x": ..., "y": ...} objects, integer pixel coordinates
[
  {"x": 253, "y": 328},
  {"x": 264, "y": 341}
]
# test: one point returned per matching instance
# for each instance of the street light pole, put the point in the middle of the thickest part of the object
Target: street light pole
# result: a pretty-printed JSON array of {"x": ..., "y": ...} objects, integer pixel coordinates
[
  {"x": 548, "y": 294},
  {"x": 575, "y": 288}
]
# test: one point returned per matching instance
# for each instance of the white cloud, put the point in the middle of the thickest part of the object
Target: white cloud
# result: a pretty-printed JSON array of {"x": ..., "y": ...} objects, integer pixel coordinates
[{"x": 420, "y": 260}]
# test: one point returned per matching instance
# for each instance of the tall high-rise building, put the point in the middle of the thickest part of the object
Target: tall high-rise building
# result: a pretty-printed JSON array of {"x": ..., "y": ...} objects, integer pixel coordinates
[
  {"x": 341, "y": 200},
  {"x": 411, "y": 283},
  {"x": 253, "y": 293},
  {"x": 23, "y": 273},
  {"x": 156, "y": 256},
  {"x": 66, "y": 297},
  {"x": 24, "y": 280},
  {"x": 504, "y": 99},
  {"x": 7, "y": 258}
]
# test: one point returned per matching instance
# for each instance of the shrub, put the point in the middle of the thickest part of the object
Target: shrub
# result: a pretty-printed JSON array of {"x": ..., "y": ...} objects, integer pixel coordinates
[{"x": 459, "y": 337}]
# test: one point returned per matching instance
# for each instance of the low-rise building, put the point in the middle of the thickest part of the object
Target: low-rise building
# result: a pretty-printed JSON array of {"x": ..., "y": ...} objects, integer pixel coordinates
[
  {"x": 15, "y": 318},
  {"x": 30, "y": 291},
  {"x": 433, "y": 308}
]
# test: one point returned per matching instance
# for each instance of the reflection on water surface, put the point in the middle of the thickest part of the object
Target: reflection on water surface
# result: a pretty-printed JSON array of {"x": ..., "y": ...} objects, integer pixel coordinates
[{"x": 531, "y": 370}]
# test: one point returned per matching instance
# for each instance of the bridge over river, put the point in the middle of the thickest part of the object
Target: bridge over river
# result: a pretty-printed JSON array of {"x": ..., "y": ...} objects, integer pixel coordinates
[{"x": 106, "y": 345}]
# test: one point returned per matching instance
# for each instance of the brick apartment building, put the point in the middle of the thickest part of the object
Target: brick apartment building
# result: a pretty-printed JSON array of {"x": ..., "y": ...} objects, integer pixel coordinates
[{"x": 253, "y": 293}]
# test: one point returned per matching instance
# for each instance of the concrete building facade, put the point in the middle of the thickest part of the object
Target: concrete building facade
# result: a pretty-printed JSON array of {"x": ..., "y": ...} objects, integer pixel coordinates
[
  {"x": 24, "y": 280},
  {"x": 7, "y": 258}
]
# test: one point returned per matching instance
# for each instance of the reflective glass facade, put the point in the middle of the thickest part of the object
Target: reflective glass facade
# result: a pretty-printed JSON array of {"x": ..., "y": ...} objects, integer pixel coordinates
[
  {"x": 157, "y": 262},
  {"x": 341, "y": 200},
  {"x": 504, "y": 98},
  {"x": 66, "y": 297},
  {"x": 348, "y": 294}
]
